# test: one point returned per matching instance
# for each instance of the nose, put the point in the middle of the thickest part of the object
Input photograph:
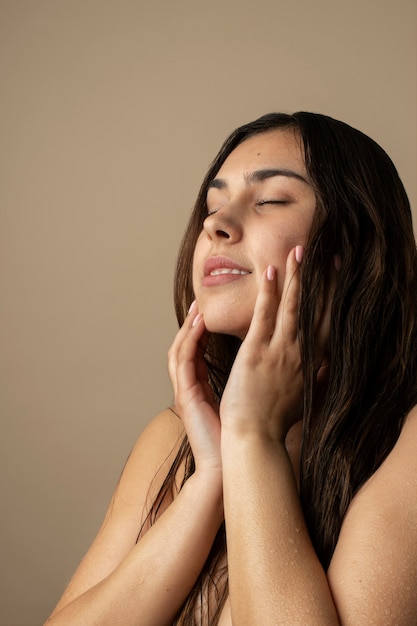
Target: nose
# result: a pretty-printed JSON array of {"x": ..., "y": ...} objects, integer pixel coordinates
[{"x": 223, "y": 224}]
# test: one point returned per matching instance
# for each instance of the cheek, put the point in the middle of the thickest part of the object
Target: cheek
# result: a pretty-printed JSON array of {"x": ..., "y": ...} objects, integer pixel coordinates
[
  {"x": 274, "y": 249},
  {"x": 291, "y": 233}
]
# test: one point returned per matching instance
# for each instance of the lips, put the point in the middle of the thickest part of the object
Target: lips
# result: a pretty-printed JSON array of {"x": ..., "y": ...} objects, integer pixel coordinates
[{"x": 219, "y": 270}]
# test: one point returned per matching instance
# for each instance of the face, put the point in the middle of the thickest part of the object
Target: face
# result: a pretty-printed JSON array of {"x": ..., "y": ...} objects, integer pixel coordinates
[{"x": 260, "y": 206}]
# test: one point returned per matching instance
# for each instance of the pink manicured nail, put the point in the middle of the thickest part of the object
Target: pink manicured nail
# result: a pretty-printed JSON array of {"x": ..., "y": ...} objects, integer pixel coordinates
[
  {"x": 270, "y": 272},
  {"x": 299, "y": 253},
  {"x": 192, "y": 305},
  {"x": 197, "y": 319}
]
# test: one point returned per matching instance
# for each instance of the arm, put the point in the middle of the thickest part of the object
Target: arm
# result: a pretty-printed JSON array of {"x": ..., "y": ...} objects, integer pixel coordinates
[
  {"x": 274, "y": 574},
  {"x": 373, "y": 573},
  {"x": 121, "y": 582},
  {"x": 372, "y": 578}
]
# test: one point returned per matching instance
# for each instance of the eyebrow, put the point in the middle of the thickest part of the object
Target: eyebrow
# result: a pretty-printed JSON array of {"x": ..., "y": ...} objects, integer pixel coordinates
[{"x": 258, "y": 176}]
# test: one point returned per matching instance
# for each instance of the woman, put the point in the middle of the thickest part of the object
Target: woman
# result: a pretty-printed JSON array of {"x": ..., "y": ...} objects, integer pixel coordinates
[{"x": 293, "y": 433}]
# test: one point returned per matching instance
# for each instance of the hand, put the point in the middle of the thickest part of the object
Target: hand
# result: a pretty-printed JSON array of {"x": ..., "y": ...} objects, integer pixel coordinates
[
  {"x": 264, "y": 393},
  {"x": 194, "y": 398}
]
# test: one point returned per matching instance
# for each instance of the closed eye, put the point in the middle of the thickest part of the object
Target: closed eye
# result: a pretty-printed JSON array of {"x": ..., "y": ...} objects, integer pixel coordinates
[{"x": 262, "y": 202}]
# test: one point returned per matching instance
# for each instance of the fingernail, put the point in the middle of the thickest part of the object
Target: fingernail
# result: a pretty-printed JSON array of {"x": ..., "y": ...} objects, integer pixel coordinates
[
  {"x": 192, "y": 305},
  {"x": 270, "y": 272},
  {"x": 299, "y": 253},
  {"x": 197, "y": 319}
]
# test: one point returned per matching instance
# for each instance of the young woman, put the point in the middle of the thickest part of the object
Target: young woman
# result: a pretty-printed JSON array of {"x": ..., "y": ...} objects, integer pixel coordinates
[{"x": 282, "y": 486}]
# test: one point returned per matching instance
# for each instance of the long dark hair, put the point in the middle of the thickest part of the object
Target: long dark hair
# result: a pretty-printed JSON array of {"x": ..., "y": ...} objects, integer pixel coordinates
[{"x": 363, "y": 216}]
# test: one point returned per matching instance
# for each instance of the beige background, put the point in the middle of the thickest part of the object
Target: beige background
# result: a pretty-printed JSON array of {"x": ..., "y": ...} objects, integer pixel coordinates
[{"x": 110, "y": 112}]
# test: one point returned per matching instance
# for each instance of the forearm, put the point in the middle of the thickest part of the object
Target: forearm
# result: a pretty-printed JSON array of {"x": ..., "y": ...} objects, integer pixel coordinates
[
  {"x": 152, "y": 582},
  {"x": 274, "y": 574}
]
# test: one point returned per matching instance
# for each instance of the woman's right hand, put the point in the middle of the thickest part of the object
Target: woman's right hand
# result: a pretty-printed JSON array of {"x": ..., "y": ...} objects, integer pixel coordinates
[{"x": 194, "y": 398}]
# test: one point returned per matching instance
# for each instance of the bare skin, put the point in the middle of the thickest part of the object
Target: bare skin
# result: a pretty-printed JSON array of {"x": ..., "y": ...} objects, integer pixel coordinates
[
  {"x": 372, "y": 576},
  {"x": 246, "y": 451}
]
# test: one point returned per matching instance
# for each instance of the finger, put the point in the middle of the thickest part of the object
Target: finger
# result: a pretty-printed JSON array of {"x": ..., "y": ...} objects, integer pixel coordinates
[
  {"x": 189, "y": 353},
  {"x": 265, "y": 310},
  {"x": 287, "y": 316},
  {"x": 192, "y": 318},
  {"x": 183, "y": 331}
]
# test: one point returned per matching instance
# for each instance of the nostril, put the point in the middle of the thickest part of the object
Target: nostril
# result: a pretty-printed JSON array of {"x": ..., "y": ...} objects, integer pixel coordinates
[{"x": 222, "y": 233}]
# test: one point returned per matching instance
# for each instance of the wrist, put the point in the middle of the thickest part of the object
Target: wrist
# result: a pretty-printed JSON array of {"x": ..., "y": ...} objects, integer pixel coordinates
[
  {"x": 237, "y": 445},
  {"x": 253, "y": 433},
  {"x": 207, "y": 485}
]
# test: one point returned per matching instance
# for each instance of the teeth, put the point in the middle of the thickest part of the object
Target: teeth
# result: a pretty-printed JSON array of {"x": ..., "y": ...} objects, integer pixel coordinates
[{"x": 227, "y": 270}]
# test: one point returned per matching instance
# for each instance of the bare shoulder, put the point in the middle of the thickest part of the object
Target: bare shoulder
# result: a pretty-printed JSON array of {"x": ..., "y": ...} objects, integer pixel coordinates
[
  {"x": 150, "y": 458},
  {"x": 141, "y": 479},
  {"x": 373, "y": 573},
  {"x": 143, "y": 475},
  {"x": 397, "y": 476}
]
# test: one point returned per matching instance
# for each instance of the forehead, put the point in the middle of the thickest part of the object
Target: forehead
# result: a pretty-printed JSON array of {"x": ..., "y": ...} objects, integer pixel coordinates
[{"x": 276, "y": 148}]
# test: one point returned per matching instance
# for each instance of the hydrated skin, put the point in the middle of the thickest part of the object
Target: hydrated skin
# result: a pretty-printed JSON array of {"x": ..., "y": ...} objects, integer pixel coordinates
[{"x": 246, "y": 451}]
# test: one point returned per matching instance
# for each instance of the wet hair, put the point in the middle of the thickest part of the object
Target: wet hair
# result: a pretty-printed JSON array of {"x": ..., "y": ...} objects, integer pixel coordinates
[{"x": 362, "y": 215}]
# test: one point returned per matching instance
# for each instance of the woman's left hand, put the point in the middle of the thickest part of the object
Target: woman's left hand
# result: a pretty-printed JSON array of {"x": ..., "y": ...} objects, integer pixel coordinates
[{"x": 264, "y": 393}]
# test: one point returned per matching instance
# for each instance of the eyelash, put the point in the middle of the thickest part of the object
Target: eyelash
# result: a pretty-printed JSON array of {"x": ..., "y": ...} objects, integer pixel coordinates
[
  {"x": 259, "y": 203},
  {"x": 262, "y": 202}
]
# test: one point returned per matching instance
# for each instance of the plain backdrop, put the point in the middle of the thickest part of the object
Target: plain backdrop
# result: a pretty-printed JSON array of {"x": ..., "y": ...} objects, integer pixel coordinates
[{"x": 110, "y": 113}]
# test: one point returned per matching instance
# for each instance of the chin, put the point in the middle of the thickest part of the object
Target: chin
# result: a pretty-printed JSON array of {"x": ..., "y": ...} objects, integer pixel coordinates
[{"x": 224, "y": 324}]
